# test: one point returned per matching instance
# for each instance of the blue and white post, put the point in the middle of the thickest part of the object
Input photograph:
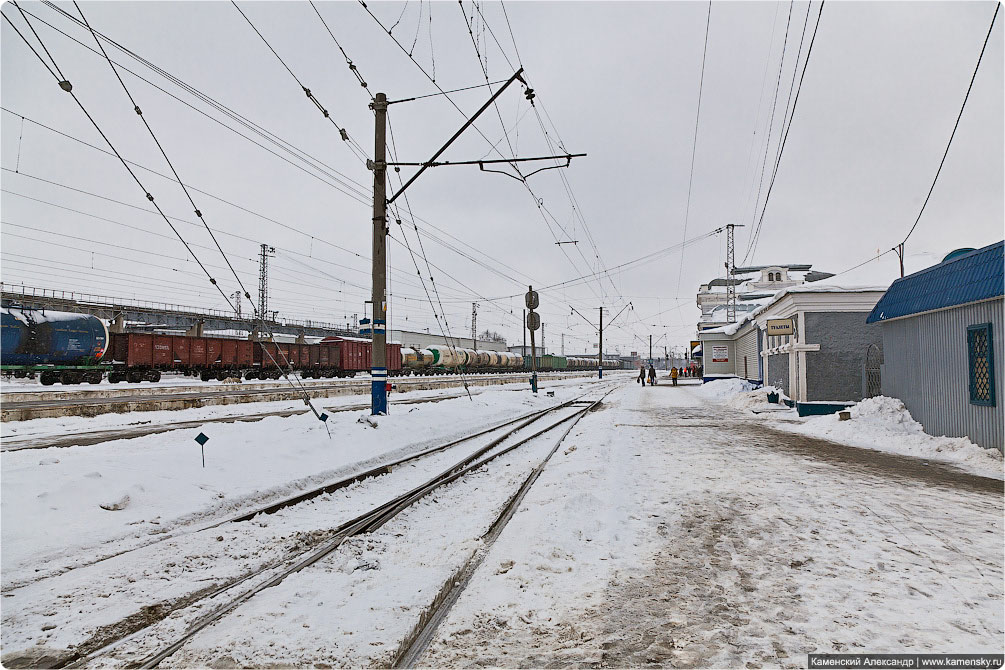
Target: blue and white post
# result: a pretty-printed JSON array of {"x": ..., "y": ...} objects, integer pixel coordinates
[
  {"x": 378, "y": 352},
  {"x": 378, "y": 369}
]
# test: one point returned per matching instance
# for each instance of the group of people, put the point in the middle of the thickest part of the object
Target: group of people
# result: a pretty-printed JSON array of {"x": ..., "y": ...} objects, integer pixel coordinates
[{"x": 674, "y": 374}]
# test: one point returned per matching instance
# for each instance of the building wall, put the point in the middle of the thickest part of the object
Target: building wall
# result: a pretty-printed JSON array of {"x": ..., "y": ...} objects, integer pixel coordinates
[
  {"x": 778, "y": 372},
  {"x": 837, "y": 371},
  {"x": 927, "y": 367},
  {"x": 711, "y": 368},
  {"x": 747, "y": 363}
]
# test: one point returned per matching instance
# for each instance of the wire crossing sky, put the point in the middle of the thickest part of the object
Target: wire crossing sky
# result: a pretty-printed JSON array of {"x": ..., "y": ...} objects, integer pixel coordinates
[{"x": 820, "y": 128}]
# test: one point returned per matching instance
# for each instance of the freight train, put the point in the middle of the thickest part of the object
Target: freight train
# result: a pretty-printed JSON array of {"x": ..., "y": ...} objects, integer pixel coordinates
[{"x": 75, "y": 348}]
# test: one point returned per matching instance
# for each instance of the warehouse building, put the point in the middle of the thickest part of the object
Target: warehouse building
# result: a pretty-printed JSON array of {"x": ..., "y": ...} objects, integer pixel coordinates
[{"x": 940, "y": 328}]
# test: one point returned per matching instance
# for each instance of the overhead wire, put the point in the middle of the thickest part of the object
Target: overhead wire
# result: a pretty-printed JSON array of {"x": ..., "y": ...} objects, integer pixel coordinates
[
  {"x": 771, "y": 125},
  {"x": 956, "y": 125},
  {"x": 781, "y": 145},
  {"x": 694, "y": 145},
  {"x": 66, "y": 86},
  {"x": 350, "y": 142}
]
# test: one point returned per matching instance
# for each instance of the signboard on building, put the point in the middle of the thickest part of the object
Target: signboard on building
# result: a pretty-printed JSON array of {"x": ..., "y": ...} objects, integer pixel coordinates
[
  {"x": 694, "y": 345},
  {"x": 780, "y": 327},
  {"x": 720, "y": 354}
]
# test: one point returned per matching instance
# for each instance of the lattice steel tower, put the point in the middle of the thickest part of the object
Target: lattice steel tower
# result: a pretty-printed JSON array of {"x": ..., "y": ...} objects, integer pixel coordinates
[
  {"x": 263, "y": 280},
  {"x": 730, "y": 274}
]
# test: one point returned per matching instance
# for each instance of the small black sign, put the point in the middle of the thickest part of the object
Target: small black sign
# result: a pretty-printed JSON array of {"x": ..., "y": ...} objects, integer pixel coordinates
[
  {"x": 202, "y": 439},
  {"x": 323, "y": 417}
]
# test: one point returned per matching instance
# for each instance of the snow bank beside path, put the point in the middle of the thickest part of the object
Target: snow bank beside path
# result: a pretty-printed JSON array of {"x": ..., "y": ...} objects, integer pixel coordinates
[
  {"x": 723, "y": 389},
  {"x": 884, "y": 424},
  {"x": 880, "y": 423}
]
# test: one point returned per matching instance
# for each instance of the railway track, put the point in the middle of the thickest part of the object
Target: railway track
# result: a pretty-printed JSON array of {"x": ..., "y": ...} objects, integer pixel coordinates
[
  {"x": 226, "y": 593},
  {"x": 125, "y": 432},
  {"x": 26, "y": 405}
]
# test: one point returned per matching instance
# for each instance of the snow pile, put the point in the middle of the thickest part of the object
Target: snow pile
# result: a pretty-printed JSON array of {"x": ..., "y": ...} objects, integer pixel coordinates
[
  {"x": 723, "y": 389},
  {"x": 756, "y": 400},
  {"x": 884, "y": 424}
]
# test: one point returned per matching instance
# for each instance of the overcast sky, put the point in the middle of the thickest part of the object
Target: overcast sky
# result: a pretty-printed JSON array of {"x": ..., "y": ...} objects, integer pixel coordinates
[{"x": 616, "y": 80}]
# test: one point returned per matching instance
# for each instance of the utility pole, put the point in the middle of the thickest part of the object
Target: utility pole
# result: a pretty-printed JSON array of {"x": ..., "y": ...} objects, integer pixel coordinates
[
  {"x": 544, "y": 349},
  {"x": 731, "y": 273},
  {"x": 263, "y": 289},
  {"x": 600, "y": 354},
  {"x": 900, "y": 254},
  {"x": 563, "y": 344},
  {"x": 650, "y": 349},
  {"x": 474, "y": 325},
  {"x": 378, "y": 355},
  {"x": 263, "y": 279},
  {"x": 524, "y": 350}
]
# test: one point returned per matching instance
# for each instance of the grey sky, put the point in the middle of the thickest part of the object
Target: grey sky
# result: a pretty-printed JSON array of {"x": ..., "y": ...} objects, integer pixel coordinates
[{"x": 619, "y": 81}]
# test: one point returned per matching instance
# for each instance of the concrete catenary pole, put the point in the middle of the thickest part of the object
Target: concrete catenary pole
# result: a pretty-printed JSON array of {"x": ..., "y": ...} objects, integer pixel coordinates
[{"x": 378, "y": 355}]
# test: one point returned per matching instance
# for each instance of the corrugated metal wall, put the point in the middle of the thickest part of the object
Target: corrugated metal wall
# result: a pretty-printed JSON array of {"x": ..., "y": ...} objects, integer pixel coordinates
[
  {"x": 926, "y": 366},
  {"x": 746, "y": 356}
]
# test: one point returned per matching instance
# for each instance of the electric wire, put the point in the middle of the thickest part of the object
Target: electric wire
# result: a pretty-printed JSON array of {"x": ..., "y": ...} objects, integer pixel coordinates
[
  {"x": 781, "y": 147},
  {"x": 694, "y": 145},
  {"x": 956, "y": 125},
  {"x": 771, "y": 125}
]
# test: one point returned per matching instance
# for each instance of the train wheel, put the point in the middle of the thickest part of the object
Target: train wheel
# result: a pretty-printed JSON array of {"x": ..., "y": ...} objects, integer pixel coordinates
[
  {"x": 134, "y": 376},
  {"x": 93, "y": 378},
  {"x": 204, "y": 375},
  {"x": 70, "y": 377},
  {"x": 48, "y": 378},
  {"x": 154, "y": 376}
]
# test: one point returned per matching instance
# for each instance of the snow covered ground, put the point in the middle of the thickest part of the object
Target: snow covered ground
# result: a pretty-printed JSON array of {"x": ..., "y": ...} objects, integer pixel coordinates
[
  {"x": 677, "y": 533},
  {"x": 51, "y": 498},
  {"x": 879, "y": 423},
  {"x": 670, "y": 529}
]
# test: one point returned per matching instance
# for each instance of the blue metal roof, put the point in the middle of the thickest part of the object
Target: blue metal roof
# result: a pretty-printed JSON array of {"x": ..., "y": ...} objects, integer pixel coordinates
[{"x": 974, "y": 276}]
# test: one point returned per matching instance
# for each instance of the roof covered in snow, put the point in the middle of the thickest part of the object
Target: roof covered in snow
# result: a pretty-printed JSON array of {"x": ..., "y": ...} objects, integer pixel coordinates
[{"x": 974, "y": 276}]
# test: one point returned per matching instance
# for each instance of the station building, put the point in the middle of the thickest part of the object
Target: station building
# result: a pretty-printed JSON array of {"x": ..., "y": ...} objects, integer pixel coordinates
[
  {"x": 810, "y": 341},
  {"x": 940, "y": 330}
]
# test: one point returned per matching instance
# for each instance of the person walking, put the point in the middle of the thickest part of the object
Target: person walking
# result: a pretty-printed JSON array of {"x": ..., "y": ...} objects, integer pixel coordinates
[
  {"x": 652, "y": 375},
  {"x": 673, "y": 375},
  {"x": 642, "y": 374}
]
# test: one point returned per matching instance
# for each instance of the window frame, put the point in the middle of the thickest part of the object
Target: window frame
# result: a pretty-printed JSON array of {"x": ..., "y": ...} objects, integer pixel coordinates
[{"x": 971, "y": 359}]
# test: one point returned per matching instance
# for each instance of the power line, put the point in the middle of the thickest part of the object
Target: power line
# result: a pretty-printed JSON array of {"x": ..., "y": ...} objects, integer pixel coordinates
[
  {"x": 160, "y": 147},
  {"x": 781, "y": 147},
  {"x": 694, "y": 145},
  {"x": 955, "y": 125},
  {"x": 66, "y": 86},
  {"x": 344, "y": 183},
  {"x": 771, "y": 125},
  {"x": 351, "y": 143}
]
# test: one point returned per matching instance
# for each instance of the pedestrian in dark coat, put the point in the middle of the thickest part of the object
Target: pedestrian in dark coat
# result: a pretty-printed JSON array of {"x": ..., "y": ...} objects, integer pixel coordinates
[
  {"x": 642, "y": 375},
  {"x": 652, "y": 375}
]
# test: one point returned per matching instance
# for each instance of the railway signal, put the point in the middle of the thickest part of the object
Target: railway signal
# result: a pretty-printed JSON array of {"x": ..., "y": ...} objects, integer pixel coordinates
[{"x": 533, "y": 323}]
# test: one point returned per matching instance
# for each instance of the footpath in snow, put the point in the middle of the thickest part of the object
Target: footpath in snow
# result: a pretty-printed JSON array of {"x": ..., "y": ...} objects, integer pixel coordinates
[
  {"x": 676, "y": 531},
  {"x": 879, "y": 423}
]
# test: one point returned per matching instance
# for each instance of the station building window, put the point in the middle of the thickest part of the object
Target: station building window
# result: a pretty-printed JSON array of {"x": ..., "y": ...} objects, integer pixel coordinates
[{"x": 980, "y": 351}]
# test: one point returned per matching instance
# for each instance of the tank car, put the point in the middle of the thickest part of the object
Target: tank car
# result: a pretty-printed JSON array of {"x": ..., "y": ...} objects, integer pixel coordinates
[{"x": 62, "y": 346}]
